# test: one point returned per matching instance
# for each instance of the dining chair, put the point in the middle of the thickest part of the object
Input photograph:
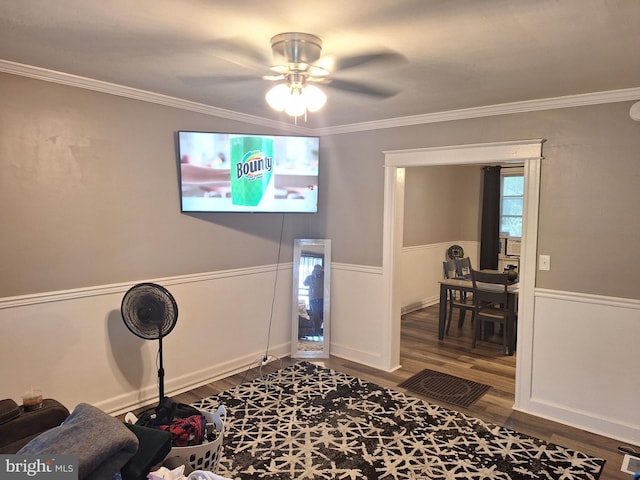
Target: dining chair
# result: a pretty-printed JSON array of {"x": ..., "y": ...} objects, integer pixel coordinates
[
  {"x": 463, "y": 267},
  {"x": 458, "y": 299},
  {"x": 490, "y": 299},
  {"x": 449, "y": 269}
]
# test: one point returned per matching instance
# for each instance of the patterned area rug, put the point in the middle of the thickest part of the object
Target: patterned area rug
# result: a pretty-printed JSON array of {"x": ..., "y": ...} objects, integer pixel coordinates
[
  {"x": 309, "y": 422},
  {"x": 447, "y": 388}
]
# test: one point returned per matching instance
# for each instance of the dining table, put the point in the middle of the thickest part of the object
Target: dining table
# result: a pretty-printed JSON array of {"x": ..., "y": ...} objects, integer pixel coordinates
[{"x": 448, "y": 285}]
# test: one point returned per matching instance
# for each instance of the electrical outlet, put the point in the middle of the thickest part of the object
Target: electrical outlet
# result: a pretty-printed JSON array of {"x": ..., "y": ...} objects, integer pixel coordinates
[{"x": 544, "y": 262}]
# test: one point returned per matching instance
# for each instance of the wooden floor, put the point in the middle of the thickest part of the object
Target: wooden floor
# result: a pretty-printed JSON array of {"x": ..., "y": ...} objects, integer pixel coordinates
[{"x": 420, "y": 349}]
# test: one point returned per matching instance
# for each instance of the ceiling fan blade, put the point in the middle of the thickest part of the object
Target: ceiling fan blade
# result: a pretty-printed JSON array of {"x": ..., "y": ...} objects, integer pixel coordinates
[
  {"x": 280, "y": 69},
  {"x": 210, "y": 80},
  {"x": 273, "y": 78},
  {"x": 317, "y": 71},
  {"x": 239, "y": 49},
  {"x": 323, "y": 79},
  {"x": 361, "y": 88},
  {"x": 345, "y": 63}
]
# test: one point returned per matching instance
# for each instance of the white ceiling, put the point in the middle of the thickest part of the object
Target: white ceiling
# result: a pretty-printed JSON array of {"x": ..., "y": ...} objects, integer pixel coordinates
[{"x": 455, "y": 54}]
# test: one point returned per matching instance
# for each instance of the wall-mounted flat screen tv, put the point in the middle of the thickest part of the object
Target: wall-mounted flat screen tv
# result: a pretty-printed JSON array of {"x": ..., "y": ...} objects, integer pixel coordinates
[{"x": 228, "y": 172}]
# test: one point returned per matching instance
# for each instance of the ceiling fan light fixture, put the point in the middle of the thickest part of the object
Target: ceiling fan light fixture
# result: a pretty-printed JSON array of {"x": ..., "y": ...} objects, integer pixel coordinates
[
  {"x": 296, "y": 104},
  {"x": 296, "y": 100},
  {"x": 314, "y": 98},
  {"x": 277, "y": 96}
]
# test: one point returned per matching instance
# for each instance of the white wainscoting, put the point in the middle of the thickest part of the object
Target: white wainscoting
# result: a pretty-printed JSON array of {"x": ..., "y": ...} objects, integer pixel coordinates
[
  {"x": 359, "y": 329},
  {"x": 584, "y": 366},
  {"x": 75, "y": 346},
  {"x": 421, "y": 269}
]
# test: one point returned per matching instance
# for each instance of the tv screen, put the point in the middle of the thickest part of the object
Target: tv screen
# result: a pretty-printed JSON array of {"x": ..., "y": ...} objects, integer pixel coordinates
[{"x": 226, "y": 172}]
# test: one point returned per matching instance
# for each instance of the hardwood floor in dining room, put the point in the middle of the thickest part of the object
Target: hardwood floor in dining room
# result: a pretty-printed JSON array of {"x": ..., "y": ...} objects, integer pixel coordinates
[{"x": 420, "y": 349}]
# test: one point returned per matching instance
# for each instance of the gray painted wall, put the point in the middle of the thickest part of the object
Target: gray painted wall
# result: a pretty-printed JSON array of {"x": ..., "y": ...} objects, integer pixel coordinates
[
  {"x": 89, "y": 193},
  {"x": 441, "y": 204},
  {"x": 590, "y": 189}
]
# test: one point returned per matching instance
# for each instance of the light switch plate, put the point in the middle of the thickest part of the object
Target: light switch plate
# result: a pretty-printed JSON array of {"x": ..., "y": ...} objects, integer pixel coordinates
[{"x": 544, "y": 262}]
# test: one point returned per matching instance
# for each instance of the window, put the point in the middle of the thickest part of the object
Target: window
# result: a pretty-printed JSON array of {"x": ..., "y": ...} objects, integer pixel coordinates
[{"x": 511, "y": 202}]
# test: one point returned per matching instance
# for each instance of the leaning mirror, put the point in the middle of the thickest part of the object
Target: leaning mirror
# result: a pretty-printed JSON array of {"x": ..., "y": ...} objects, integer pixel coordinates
[{"x": 311, "y": 300}]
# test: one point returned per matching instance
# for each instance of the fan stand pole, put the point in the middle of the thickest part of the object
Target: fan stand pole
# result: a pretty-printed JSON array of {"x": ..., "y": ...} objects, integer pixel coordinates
[{"x": 160, "y": 368}]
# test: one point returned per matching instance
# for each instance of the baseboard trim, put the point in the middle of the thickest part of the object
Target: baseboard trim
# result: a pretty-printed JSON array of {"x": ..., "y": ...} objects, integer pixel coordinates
[
  {"x": 175, "y": 386},
  {"x": 606, "y": 427},
  {"x": 427, "y": 302},
  {"x": 371, "y": 359}
]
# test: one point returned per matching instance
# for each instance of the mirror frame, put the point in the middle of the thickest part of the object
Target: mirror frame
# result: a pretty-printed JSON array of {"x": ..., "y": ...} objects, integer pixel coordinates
[{"x": 324, "y": 246}]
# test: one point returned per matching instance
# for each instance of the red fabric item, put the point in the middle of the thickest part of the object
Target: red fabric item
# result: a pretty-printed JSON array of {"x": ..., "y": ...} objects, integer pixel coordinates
[{"x": 186, "y": 431}]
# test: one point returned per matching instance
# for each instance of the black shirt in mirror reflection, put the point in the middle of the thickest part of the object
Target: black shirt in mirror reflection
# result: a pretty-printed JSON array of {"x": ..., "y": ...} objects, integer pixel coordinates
[{"x": 315, "y": 282}]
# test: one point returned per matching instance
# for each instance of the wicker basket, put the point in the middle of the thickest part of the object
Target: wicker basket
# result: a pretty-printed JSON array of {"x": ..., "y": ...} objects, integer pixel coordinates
[{"x": 207, "y": 455}]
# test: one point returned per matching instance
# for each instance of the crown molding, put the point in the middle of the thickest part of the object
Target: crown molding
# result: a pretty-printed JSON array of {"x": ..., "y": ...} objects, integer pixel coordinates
[
  {"x": 567, "y": 101},
  {"x": 137, "y": 94}
]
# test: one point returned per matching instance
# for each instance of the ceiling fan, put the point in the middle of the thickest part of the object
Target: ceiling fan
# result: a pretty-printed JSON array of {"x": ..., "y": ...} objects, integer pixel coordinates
[
  {"x": 299, "y": 52},
  {"x": 298, "y": 55},
  {"x": 298, "y": 66}
]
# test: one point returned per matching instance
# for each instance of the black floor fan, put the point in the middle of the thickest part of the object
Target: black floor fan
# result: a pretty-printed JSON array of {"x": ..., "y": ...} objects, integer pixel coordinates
[{"x": 150, "y": 312}]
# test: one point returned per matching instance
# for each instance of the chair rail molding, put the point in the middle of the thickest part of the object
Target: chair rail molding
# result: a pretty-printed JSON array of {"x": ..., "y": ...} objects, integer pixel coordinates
[{"x": 100, "y": 290}]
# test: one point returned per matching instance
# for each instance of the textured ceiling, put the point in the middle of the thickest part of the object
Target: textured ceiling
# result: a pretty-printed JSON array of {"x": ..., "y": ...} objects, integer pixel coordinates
[{"x": 451, "y": 54}]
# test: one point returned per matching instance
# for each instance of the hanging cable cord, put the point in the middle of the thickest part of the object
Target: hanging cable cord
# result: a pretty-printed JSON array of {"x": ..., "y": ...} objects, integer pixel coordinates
[{"x": 265, "y": 358}]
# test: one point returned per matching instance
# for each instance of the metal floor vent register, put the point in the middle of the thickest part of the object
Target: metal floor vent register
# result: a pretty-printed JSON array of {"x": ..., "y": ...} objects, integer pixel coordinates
[{"x": 444, "y": 387}]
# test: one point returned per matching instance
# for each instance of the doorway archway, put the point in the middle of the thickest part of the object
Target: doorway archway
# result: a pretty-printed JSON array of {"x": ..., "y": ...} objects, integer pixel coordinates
[{"x": 526, "y": 152}]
